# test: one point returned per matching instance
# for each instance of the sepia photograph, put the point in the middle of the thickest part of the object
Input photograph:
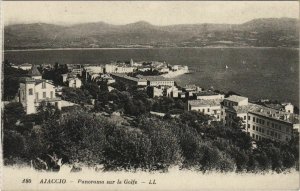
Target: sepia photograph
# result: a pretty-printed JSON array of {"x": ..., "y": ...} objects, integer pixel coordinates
[{"x": 150, "y": 95}]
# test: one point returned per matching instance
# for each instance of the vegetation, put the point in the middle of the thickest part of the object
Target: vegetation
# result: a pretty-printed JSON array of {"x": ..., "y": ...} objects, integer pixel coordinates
[
  {"x": 11, "y": 78},
  {"x": 139, "y": 142},
  {"x": 145, "y": 143}
]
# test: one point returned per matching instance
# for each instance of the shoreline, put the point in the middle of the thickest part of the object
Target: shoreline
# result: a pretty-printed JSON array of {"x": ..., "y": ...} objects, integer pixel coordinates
[{"x": 134, "y": 48}]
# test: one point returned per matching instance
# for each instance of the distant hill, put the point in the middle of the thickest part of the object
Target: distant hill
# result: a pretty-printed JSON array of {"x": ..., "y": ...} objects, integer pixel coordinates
[{"x": 283, "y": 32}]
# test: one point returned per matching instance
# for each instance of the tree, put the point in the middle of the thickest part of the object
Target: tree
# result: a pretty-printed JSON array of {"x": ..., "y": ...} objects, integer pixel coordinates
[
  {"x": 47, "y": 111},
  {"x": 13, "y": 112}
]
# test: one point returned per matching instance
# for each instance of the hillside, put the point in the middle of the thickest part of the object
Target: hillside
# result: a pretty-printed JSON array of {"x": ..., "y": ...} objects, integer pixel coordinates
[{"x": 283, "y": 32}]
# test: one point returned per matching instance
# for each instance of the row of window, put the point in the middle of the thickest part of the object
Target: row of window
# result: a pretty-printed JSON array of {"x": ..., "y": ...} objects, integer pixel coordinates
[
  {"x": 271, "y": 133},
  {"x": 44, "y": 95},
  {"x": 273, "y": 125}
]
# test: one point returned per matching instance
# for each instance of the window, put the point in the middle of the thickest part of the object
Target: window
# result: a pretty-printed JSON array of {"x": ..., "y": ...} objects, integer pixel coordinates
[
  {"x": 248, "y": 126},
  {"x": 203, "y": 110},
  {"x": 37, "y": 96},
  {"x": 51, "y": 94},
  {"x": 30, "y": 91},
  {"x": 207, "y": 109},
  {"x": 248, "y": 117},
  {"x": 253, "y": 136},
  {"x": 244, "y": 117},
  {"x": 256, "y": 128},
  {"x": 256, "y": 120},
  {"x": 272, "y": 125},
  {"x": 256, "y": 137},
  {"x": 253, "y": 127},
  {"x": 263, "y": 121},
  {"x": 44, "y": 94},
  {"x": 259, "y": 129},
  {"x": 262, "y": 130},
  {"x": 268, "y": 123},
  {"x": 253, "y": 119},
  {"x": 279, "y": 127},
  {"x": 44, "y": 85}
]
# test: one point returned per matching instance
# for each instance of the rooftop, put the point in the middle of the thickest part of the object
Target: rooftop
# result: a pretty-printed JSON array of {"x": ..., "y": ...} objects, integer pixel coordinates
[
  {"x": 34, "y": 71},
  {"x": 266, "y": 112},
  {"x": 211, "y": 102},
  {"x": 236, "y": 98},
  {"x": 206, "y": 93},
  {"x": 129, "y": 77},
  {"x": 153, "y": 78}
]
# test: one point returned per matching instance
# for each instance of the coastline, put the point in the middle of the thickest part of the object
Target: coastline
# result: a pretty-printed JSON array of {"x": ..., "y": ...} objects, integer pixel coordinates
[{"x": 135, "y": 48}]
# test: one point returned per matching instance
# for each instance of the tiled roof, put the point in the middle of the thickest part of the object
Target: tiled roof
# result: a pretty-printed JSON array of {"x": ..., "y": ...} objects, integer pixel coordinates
[
  {"x": 211, "y": 102},
  {"x": 154, "y": 78},
  {"x": 206, "y": 93},
  {"x": 266, "y": 112},
  {"x": 236, "y": 98}
]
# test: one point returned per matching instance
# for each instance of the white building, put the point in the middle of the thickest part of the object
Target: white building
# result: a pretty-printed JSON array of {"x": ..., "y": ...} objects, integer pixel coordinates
[
  {"x": 261, "y": 122},
  {"x": 34, "y": 90},
  {"x": 210, "y": 107},
  {"x": 94, "y": 69},
  {"x": 157, "y": 81},
  {"x": 24, "y": 66},
  {"x": 74, "y": 82},
  {"x": 114, "y": 68},
  {"x": 71, "y": 80}
]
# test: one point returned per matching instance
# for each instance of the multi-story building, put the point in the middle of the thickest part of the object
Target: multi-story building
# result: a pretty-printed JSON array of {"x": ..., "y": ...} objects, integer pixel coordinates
[
  {"x": 167, "y": 91},
  {"x": 157, "y": 80},
  {"x": 77, "y": 70},
  {"x": 116, "y": 68},
  {"x": 261, "y": 122},
  {"x": 74, "y": 82},
  {"x": 34, "y": 90},
  {"x": 191, "y": 90},
  {"x": 94, "y": 69},
  {"x": 210, "y": 107},
  {"x": 71, "y": 80}
]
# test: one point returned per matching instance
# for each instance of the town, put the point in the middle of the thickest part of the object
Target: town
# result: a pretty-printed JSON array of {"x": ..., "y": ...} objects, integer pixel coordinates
[{"x": 123, "y": 91}]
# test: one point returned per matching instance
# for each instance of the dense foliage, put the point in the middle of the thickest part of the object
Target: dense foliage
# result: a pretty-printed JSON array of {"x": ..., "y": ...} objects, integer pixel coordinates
[{"x": 146, "y": 143}]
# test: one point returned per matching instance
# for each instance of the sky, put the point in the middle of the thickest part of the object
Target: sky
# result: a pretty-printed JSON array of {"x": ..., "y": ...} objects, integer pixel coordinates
[{"x": 154, "y": 12}]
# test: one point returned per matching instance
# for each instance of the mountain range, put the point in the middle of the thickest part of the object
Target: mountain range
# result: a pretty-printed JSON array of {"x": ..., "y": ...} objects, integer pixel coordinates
[{"x": 265, "y": 32}]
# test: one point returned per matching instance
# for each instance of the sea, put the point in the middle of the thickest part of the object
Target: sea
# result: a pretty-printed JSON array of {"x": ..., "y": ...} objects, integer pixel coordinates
[{"x": 258, "y": 73}]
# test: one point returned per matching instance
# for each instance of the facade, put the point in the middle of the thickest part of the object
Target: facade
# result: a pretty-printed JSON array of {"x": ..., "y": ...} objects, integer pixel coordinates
[
  {"x": 191, "y": 90},
  {"x": 261, "y": 122},
  {"x": 74, "y": 82},
  {"x": 114, "y": 68},
  {"x": 32, "y": 92},
  {"x": 71, "y": 80},
  {"x": 167, "y": 91},
  {"x": 210, "y": 107},
  {"x": 77, "y": 70},
  {"x": 94, "y": 69},
  {"x": 157, "y": 81}
]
